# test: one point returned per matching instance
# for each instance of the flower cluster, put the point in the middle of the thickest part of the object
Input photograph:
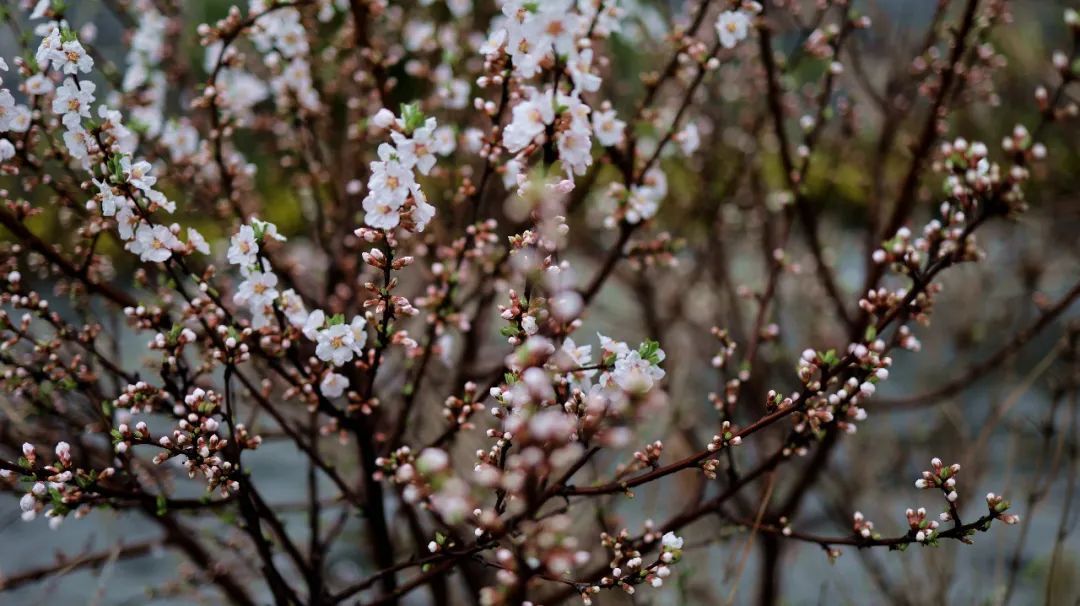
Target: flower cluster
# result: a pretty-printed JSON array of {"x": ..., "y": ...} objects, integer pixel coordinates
[
  {"x": 941, "y": 477},
  {"x": 393, "y": 192}
]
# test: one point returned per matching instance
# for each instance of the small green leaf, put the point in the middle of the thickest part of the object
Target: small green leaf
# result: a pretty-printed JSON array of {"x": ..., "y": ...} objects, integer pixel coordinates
[
  {"x": 650, "y": 350},
  {"x": 174, "y": 333},
  {"x": 412, "y": 117}
]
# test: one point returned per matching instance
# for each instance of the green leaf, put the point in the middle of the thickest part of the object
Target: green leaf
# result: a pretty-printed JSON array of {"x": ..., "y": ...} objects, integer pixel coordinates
[
  {"x": 412, "y": 117},
  {"x": 650, "y": 350},
  {"x": 829, "y": 358},
  {"x": 174, "y": 333},
  {"x": 116, "y": 170}
]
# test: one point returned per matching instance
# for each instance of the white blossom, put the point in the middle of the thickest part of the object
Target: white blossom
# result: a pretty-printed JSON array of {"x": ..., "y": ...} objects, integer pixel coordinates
[
  {"x": 732, "y": 27},
  {"x": 257, "y": 290},
  {"x": 73, "y": 101},
  {"x": 243, "y": 249},
  {"x": 154, "y": 244},
  {"x": 335, "y": 344},
  {"x": 608, "y": 128},
  {"x": 333, "y": 385}
]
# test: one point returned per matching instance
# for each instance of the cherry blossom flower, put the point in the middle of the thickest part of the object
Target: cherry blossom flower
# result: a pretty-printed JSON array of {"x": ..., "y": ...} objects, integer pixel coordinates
[
  {"x": 635, "y": 374},
  {"x": 153, "y": 243},
  {"x": 608, "y": 128},
  {"x": 138, "y": 173},
  {"x": 197, "y": 241},
  {"x": 292, "y": 305},
  {"x": 529, "y": 119},
  {"x": 333, "y": 385},
  {"x": 732, "y": 27},
  {"x": 243, "y": 249},
  {"x": 358, "y": 328},
  {"x": 73, "y": 101},
  {"x": 257, "y": 290},
  {"x": 72, "y": 58},
  {"x": 335, "y": 344}
]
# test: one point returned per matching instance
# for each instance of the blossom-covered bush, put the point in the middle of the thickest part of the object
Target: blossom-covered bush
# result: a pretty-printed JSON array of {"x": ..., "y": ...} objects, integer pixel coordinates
[{"x": 493, "y": 273}]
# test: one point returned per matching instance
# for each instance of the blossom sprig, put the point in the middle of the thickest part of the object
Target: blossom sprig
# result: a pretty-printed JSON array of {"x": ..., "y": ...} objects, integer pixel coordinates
[
  {"x": 725, "y": 437},
  {"x": 941, "y": 477},
  {"x": 58, "y": 489},
  {"x": 458, "y": 410},
  {"x": 727, "y": 347},
  {"x": 628, "y": 568},
  {"x": 862, "y": 526},
  {"x": 998, "y": 505},
  {"x": 922, "y": 528},
  {"x": 394, "y": 196},
  {"x": 196, "y": 438},
  {"x": 650, "y": 455},
  {"x": 64, "y": 489}
]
